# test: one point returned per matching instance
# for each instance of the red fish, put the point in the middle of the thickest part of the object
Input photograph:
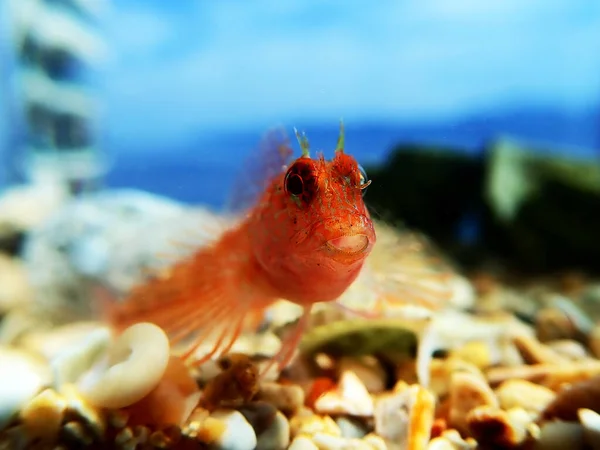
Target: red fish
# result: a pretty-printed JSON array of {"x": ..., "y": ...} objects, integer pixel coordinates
[{"x": 305, "y": 239}]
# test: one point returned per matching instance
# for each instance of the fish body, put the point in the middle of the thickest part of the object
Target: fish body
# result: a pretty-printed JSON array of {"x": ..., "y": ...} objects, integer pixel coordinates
[{"x": 305, "y": 239}]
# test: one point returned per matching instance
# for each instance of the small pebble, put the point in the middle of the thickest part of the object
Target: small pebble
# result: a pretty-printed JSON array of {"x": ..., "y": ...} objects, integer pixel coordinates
[
  {"x": 591, "y": 424},
  {"x": 43, "y": 415},
  {"x": 495, "y": 428},
  {"x": 368, "y": 369},
  {"x": 560, "y": 436},
  {"x": 76, "y": 433},
  {"x": 475, "y": 352},
  {"x": 351, "y": 427},
  {"x": 287, "y": 398},
  {"x": 467, "y": 392},
  {"x": 276, "y": 436},
  {"x": 328, "y": 442},
  {"x": 22, "y": 376},
  {"x": 227, "y": 430},
  {"x": 350, "y": 397},
  {"x": 569, "y": 349},
  {"x": 302, "y": 443},
  {"x": 405, "y": 416},
  {"x": 525, "y": 394},
  {"x": 311, "y": 424}
]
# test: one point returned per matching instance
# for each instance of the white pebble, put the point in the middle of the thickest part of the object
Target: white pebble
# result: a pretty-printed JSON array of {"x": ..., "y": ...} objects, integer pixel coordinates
[
  {"x": 238, "y": 434},
  {"x": 328, "y": 442},
  {"x": 591, "y": 424},
  {"x": 351, "y": 397},
  {"x": 302, "y": 443},
  {"x": 277, "y": 436},
  {"x": 21, "y": 378}
]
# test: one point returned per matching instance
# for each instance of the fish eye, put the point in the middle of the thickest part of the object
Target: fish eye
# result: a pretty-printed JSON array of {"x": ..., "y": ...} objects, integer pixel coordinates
[
  {"x": 294, "y": 184},
  {"x": 364, "y": 181},
  {"x": 300, "y": 181}
]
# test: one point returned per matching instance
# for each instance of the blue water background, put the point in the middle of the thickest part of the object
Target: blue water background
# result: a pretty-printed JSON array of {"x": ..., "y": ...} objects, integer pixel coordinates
[
  {"x": 202, "y": 169},
  {"x": 189, "y": 86}
]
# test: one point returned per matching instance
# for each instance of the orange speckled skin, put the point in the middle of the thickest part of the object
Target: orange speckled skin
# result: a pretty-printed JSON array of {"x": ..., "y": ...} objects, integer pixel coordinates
[{"x": 289, "y": 234}]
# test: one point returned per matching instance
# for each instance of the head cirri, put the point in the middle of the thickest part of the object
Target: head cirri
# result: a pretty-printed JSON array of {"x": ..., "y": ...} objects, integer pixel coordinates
[{"x": 311, "y": 230}]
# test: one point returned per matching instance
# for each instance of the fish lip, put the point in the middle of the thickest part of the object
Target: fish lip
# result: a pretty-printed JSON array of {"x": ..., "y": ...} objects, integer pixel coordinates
[
  {"x": 304, "y": 234},
  {"x": 359, "y": 250}
]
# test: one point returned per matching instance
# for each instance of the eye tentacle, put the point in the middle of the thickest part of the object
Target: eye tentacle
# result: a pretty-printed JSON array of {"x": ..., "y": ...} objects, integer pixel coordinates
[
  {"x": 364, "y": 181},
  {"x": 340, "y": 143},
  {"x": 304, "y": 144},
  {"x": 365, "y": 185}
]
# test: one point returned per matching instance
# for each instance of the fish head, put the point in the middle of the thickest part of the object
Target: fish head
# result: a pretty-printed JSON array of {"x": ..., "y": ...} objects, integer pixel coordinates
[{"x": 313, "y": 219}]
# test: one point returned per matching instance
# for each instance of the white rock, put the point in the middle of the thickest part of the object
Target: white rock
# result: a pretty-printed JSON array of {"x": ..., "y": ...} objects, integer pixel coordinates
[
  {"x": 404, "y": 417},
  {"x": 591, "y": 424},
  {"x": 43, "y": 415},
  {"x": 74, "y": 361},
  {"x": 376, "y": 442},
  {"x": 22, "y": 377},
  {"x": 350, "y": 428},
  {"x": 559, "y": 435},
  {"x": 238, "y": 433},
  {"x": 350, "y": 397},
  {"x": 368, "y": 369},
  {"x": 15, "y": 291},
  {"x": 277, "y": 436},
  {"x": 309, "y": 425},
  {"x": 463, "y": 293},
  {"x": 328, "y": 442},
  {"x": 103, "y": 238},
  {"x": 51, "y": 343},
  {"x": 28, "y": 205},
  {"x": 302, "y": 443}
]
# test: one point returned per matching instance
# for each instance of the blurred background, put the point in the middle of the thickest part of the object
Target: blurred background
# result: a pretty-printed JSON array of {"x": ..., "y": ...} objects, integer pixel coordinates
[{"x": 439, "y": 97}]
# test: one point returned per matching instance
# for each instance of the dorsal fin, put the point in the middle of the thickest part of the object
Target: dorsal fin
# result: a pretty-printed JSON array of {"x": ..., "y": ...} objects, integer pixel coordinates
[{"x": 266, "y": 162}]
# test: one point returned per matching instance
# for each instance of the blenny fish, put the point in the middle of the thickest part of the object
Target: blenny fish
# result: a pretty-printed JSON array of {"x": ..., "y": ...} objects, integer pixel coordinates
[{"x": 304, "y": 239}]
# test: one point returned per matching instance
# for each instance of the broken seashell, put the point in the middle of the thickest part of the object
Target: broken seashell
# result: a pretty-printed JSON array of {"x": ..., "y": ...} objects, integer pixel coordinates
[
  {"x": 442, "y": 371},
  {"x": 134, "y": 366},
  {"x": 350, "y": 397},
  {"x": 302, "y": 442},
  {"x": 91, "y": 417},
  {"x": 477, "y": 353},
  {"x": 570, "y": 349},
  {"x": 22, "y": 376},
  {"x": 494, "y": 428},
  {"x": 549, "y": 375},
  {"x": 524, "y": 394},
  {"x": 328, "y": 442},
  {"x": 534, "y": 352},
  {"x": 311, "y": 424},
  {"x": 591, "y": 424},
  {"x": 467, "y": 392},
  {"x": 70, "y": 362},
  {"x": 43, "y": 415},
  {"x": 368, "y": 369},
  {"x": 404, "y": 418}
]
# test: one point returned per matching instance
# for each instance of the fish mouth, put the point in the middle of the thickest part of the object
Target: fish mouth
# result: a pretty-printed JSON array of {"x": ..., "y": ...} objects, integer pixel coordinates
[{"x": 350, "y": 245}]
